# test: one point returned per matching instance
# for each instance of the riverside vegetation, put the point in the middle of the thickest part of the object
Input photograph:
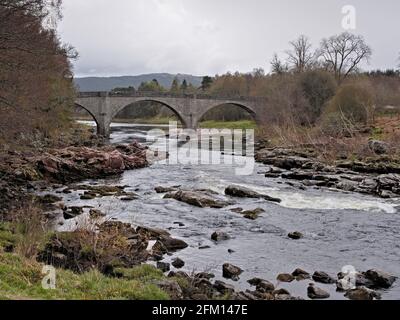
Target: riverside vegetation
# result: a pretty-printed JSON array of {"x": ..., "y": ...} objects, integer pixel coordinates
[{"x": 330, "y": 128}]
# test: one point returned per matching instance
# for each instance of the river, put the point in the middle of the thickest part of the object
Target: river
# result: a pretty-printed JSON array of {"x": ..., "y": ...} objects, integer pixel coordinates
[{"x": 339, "y": 228}]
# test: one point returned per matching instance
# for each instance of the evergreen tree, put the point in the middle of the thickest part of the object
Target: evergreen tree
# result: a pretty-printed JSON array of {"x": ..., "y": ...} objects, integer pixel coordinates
[
  {"x": 184, "y": 86},
  {"x": 206, "y": 83},
  {"x": 175, "y": 86}
]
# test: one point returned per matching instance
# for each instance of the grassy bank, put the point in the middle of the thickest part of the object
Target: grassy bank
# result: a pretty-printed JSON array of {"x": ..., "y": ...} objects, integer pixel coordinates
[
  {"x": 21, "y": 279},
  {"x": 242, "y": 124},
  {"x": 352, "y": 147}
]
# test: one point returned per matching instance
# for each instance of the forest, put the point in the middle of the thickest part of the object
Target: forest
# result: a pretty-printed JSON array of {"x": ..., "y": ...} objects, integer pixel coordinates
[{"x": 36, "y": 89}]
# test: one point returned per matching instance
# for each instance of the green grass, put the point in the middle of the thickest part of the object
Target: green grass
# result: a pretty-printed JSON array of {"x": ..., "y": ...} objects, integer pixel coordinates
[
  {"x": 377, "y": 133},
  {"x": 7, "y": 238},
  {"x": 21, "y": 279},
  {"x": 242, "y": 124},
  {"x": 211, "y": 124},
  {"x": 155, "y": 120}
]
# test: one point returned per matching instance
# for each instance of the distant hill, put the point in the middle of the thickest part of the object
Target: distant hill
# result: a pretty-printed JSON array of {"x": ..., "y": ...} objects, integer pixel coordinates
[{"x": 109, "y": 83}]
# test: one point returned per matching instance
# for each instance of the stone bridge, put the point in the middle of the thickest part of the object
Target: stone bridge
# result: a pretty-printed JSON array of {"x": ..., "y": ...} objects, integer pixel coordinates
[{"x": 190, "y": 109}]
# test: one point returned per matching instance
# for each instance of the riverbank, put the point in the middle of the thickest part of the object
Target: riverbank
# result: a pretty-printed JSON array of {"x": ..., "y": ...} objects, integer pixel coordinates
[
  {"x": 242, "y": 124},
  {"x": 211, "y": 124},
  {"x": 378, "y": 176},
  {"x": 73, "y": 249},
  {"x": 367, "y": 162}
]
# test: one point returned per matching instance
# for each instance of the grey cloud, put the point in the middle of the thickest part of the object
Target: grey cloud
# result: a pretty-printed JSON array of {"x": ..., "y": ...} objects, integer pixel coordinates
[{"x": 122, "y": 37}]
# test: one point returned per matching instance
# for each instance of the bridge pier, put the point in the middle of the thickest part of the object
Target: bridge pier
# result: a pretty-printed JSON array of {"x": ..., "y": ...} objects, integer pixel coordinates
[{"x": 103, "y": 129}]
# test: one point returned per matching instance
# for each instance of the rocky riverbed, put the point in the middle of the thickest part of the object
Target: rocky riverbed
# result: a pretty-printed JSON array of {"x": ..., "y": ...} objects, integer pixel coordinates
[
  {"x": 215, "y": 235},
  {"x": 379, "y": 177}
]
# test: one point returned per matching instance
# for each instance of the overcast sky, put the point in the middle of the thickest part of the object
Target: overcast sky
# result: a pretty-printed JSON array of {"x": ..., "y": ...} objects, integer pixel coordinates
[{"x": 130, "y": 37}]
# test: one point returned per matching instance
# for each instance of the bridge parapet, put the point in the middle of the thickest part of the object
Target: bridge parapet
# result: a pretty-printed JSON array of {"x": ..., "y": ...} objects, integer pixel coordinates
[{"x": 167, "y": 95}]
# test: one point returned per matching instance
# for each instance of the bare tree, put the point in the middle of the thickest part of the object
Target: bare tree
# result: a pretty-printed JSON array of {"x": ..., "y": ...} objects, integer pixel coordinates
[
  {"x": 35, "y": 70},
  {"x": 301, "y": 57},
  {"x": 398, "y": 59},
  {"x": 343, "y": 54},
  {"x": 277, "y": 66}
]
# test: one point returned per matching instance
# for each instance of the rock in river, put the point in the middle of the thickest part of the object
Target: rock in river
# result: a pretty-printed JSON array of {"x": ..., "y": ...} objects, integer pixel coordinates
[
  {"x": 199, "y": 198},
  {"x": 285, "y": 277},
  {"x": 314, "y": 292},
  {"x": 254, "y": 281},
  {"x": 300, "y": 274},
  {"x": 380, "y": 279},
  {"x": 178, "y": 263},
  {"x": 265, "y": 286},
  {"x": 252, "y": 214},
  {"x": 96, "y": 214},
  {"x": 295, "y": 235},
  {"x": 223, "y": 288},
  {"x": 242, "y": 192},
  {"x": 172, "y": 244},
  {"x": 361, "y": 294},
  {"x": 72, "y": 212},
  {"x": 163, "y": 266},
  {"x": 161, "y": 189},
  {"x": 230, "y": 271},
  {"x": 323, "y": 277},
  {"x": 220, "y": 236}
]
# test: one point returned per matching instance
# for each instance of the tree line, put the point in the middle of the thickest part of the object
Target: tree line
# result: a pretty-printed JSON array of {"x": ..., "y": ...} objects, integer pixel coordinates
[
  {"x": 301, "y": 85},
  {"x": 35, "y": 71}
]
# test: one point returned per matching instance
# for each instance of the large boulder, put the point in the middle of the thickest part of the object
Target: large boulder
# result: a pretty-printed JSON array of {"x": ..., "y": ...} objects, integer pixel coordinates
[
  {"x": 230, "y": 271},
  {"x": 285, "y": 277},
  {"x": 323, "y": 277},
  {"x": 300, "y": 274},
  {"x": 380, "y": 279},
  {"x": 314, "y": 292},
  {"x": 199, "y": 198},
  {"x": 77, "y": 163},
  {"x": 171, "y": 244},
  {"x": 243, "y": 192},
  {"x": 361, "y": 294},
  {"x": 265, "y": 286}
]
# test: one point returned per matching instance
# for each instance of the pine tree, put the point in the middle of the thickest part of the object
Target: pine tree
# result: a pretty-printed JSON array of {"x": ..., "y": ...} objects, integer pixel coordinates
[
  {"x": 175, "y": 86},
  {"x": 184, "y": 86},
  {"x": 206, "y": 83}
]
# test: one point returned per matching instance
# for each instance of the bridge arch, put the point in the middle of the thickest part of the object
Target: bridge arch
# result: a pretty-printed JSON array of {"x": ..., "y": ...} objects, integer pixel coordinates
[
  {"x": 98, "y": 129},
  {"x": 248, "y": 108},
  {"x": 126, "y": 104}
]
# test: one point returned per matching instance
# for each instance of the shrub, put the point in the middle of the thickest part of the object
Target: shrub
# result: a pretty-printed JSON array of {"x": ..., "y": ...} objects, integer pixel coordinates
[
  {"x": 352, "y": 106},
  {"x": 318, "y": 87}
]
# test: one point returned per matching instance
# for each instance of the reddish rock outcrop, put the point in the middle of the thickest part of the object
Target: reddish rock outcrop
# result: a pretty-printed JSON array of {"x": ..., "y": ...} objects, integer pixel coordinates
[{"x": 77, "y": 163}]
